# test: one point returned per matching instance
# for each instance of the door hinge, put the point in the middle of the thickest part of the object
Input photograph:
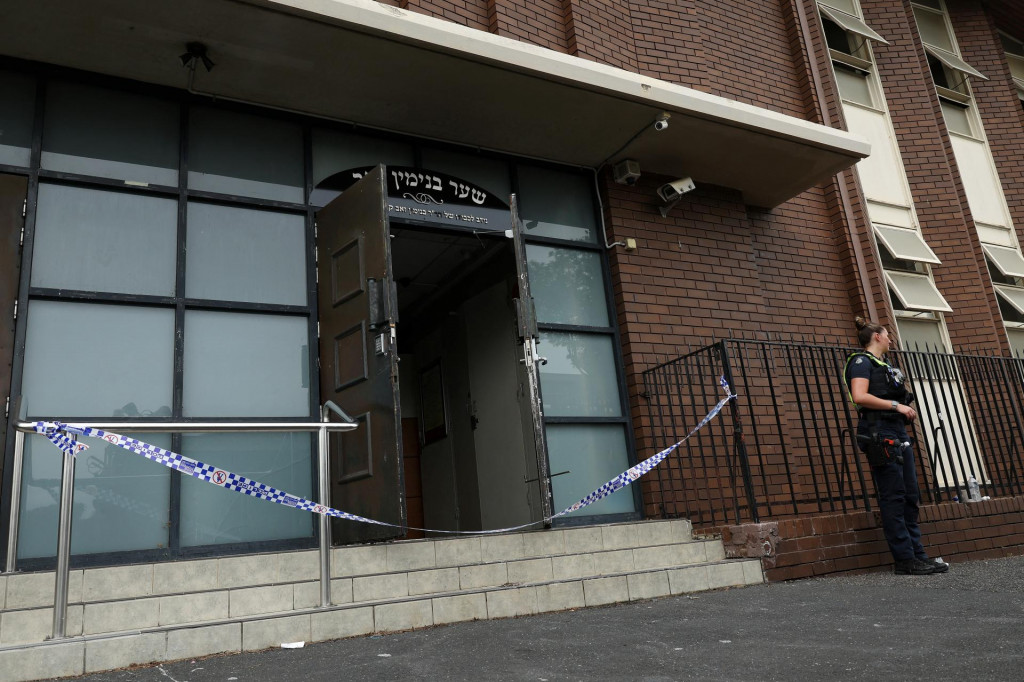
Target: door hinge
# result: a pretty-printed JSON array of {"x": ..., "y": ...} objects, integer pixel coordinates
[
  {"x": 7, "y": 407},
  {"x": 15, "y": 310},
  {"x": 318, "y": 329},
  {"x": 24, "y": 208},
  {"x": 21, "y": 237}
]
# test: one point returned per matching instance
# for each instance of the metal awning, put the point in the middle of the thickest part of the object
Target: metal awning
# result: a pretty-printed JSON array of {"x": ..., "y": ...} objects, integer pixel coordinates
[
  {"x": 906, "y": 244},
  {"x": 1012, "y": 295},
  {"x": 850, "y": 23},
  {"x": 384, "y": 67},
  {"x": 916, "y": 292},
  {"x": 953, "y": 62},
  {"x": 1008, "y": 260}
]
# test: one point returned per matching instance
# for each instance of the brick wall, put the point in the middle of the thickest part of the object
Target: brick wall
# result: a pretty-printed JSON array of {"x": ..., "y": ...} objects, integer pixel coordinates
[{"x": 854, "y": 543}]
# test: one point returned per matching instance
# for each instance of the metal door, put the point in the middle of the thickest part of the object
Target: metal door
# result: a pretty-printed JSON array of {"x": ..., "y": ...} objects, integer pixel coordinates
[
  {"x": 530, "y": 405},
  {"x": 13, "y": 189},
  {"x": 359, "y": 357}
]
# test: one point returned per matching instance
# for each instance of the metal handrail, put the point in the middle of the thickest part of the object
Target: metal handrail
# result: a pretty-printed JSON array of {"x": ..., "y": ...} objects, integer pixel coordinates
[{"x": 60, "y": 591}]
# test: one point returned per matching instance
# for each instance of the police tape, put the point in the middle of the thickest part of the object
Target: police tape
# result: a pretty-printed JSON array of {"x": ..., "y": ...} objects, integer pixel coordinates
[{"x": 65, "y": 438}]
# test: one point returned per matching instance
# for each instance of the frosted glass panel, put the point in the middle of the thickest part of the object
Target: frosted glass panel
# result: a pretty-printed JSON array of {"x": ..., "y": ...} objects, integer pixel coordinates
[
  {"x": 1016, "y": 338},
  {"x": 881, "y": 174},
  {"x": 109, "y": 133},
  {"x": 567, "y": 285},
  {"x": 593, "y": 455},
  {"x": 556, "y": 204},
  {"x": 242, "y": 365},
  {"x": 957, "y": 118},
  {"x": 335, "y": 151},
  {"x": 853, "y": 86},
  {"x": 121, "y": 499},
  {"x": 212, "y": 515},
  {"x": 932, "y": 27},
  {"x": 239, "y": 254},
  {"x": 87, "y": 360},
  {"x": 984, "y": 193},
  {"x": 490, "y": 174},
  {"x": 245, "y": 155},
  {"x": 579, "y": 379},
  {"x": 921, "y": 334},
  {"x": 105, "y": 241},
  {"x": 16, "y": 106}
]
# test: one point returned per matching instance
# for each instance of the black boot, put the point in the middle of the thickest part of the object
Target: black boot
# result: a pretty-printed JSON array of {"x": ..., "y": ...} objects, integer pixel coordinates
[{"x": 913, "y": 567}]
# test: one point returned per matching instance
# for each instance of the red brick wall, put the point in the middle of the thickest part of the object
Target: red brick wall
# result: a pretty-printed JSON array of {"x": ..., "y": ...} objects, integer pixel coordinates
[{"x": 854, "y": 543}]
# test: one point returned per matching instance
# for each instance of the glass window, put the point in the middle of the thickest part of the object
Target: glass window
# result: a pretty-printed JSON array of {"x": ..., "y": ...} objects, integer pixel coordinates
[
  {"x": 957, "y": 118},
  {"x": 921, "y": 335},
  {"x": 212, "y": 515},
  {"x": 245, "y": 365},
  {"x": 916, "y": 292},
  {"x": 556, "y": 204},
  {"x": 245, "y": 155},
  {"x": 121, "y": 499},
  {"x": 16, "y": 114},
  {"x": 335, "y": 151},
  {"x": 1009, "y": 261},
  {"x": 241, "y": 254},
  {"x": 490, "y": 174},
  {"x": 1016, "y": 338},
  {"x": 853, "y": 85},
  {"x": 850, "y": 23},
  {"x": 847, "y": 6},
  {"x": 593, "y": 454},
  {"x": 1012, "y": 295},
  {"x": 579, "y": 379},
  {"x": 905, "y": 244},
  {"x": 109, "y": 133},
  {"x": 93, "y": 240},
  {"x": 932, "y": 27},
  {"x": 90, "y": 360},
  {"x": 567, "y": 285}
]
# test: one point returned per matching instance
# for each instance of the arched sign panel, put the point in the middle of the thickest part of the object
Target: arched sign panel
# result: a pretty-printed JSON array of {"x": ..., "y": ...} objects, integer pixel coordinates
[{"x": 426, "y": 196}]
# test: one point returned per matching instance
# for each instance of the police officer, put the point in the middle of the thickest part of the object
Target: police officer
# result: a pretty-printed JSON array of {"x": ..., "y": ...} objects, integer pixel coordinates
[{"x": 879, "y": 391}]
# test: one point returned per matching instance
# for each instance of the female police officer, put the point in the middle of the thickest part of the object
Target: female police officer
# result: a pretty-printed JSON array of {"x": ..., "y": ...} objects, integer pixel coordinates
[{"x": 881, "y": 397}]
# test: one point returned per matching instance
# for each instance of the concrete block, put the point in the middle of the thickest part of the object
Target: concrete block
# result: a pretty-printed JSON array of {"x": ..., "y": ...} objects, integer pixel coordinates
[
  {"x": 350, "y": 561},
  {"x": 652, "y": 533},
  {"x": 118, "y": 582},
  {"x": 752, "y": 572},
  {"x": 410, "y": 556},
  {"x": 618, "y": 561},
  {"x": 432, "y": 582},
  {"x": 42, "y": 662},
  {"x": 33, "y": 590},
  {"x": 519, "y": 601},
  {"x": 341, "y": 591},
  {"x": 196, "y": 642},
  {"x": 714, "y": 550},
  {"x": 659, "y": 556},
  {"x": 457, "y": 552},
  {"x": 693, "y": 553},
  {"x": 683, "y": 529},
  {"x": 459, "y": 608},
  {"x": 3, "y": 591},
  {"x": 403, "y": 616},
  {"x": 560, "y": 596},
  {"x": 619, "y": 536},
  {"x": 296, "y": 566},
  {"x": 573, "y": 566},
  {"x": 579, "y": 540},
  {"x": 251, "y": 600},
  {"x": 35, "y": 625},
  {"x": 193, "y": 608},
  {"x": 502, "y": 547},
  {"x": 726, "y": 575},
  {"x": 338, "y": 624},
  {"x": 245, "y": 571},
  {"x": 307, "y": 595},
  {"x": 273, "y": 632},
  {"x": 176, "y": 577},
  {"x": 121, "y": 652},
  {"x": 543, "y": 543},
  {"x": 685, "y": 580},
  {"x": 484, "y": 575},
  {"x": 530, "y": 571},
  {"x": 647, "y": 585},
  {"x": 374, "y": 587},
  {"x": 118, "y": 616},
  {"x": 597, "y": 591}
]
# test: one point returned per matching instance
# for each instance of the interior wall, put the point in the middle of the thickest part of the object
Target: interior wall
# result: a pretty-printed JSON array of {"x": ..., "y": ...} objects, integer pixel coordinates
[{"x": 492, "y": 361}]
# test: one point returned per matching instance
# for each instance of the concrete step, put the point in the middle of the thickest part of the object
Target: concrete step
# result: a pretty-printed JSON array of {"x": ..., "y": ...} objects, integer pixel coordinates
[{"x": 380, "y": 588}]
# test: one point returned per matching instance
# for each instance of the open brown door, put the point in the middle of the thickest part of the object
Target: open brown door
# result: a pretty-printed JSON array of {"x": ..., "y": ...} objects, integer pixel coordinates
[
  {"x": 530, "y": 406},
  {"x": 359, "y": 358}
]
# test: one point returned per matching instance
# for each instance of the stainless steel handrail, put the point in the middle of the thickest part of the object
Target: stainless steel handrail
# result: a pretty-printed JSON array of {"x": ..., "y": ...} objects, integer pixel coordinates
[{"x": 60, "y": 591}]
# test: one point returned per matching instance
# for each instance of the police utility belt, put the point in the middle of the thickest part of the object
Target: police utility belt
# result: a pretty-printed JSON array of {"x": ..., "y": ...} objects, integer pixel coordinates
[{"x": 882, "y": 449}]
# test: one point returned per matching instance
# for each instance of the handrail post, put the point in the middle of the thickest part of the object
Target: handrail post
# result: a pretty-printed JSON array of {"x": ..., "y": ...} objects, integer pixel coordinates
[
  {"x": 15, "y": 520},
  {"x": 324, "y": 497},
  {"x": 60, "y": 588}
]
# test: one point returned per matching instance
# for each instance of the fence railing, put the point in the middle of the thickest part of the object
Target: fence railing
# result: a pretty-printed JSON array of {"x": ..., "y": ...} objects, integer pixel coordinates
[{"x": 787, "y": 445}]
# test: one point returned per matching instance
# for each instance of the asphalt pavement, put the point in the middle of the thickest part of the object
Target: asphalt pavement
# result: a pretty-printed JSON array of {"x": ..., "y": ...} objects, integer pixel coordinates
[{"x": 967, "y": 624}]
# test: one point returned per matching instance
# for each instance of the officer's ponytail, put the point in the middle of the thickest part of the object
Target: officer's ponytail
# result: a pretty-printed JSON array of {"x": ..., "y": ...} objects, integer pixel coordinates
[{"x": 866, "y": 330}]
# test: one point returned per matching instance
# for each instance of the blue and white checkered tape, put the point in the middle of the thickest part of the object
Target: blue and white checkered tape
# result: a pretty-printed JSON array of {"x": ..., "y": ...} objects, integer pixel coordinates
[{"x": 65, "y": 437}]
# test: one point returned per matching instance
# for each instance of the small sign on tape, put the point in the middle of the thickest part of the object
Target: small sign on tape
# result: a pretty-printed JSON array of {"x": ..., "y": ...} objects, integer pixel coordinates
[{"x": 292, "y": 645}]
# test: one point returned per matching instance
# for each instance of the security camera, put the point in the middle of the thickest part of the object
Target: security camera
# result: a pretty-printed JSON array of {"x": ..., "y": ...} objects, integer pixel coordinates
[
  {"x": 626, "y": 172},
  {"x": 662, "y": 122},
  {"x": 673, "y": 190}
]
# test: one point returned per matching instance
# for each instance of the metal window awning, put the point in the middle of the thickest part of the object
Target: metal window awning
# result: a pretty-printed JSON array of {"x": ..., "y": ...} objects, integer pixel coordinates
[
  {"x": 1009, "y": 261},
  {"x": 850, "y": 23},
  {"x": 953, "y": 62},
  {"x": 916, "y": 292},
  {"x": 380, "y": 66},
  {"x": 906, "y": 244},
  {"x": 1012, "y": 295}
]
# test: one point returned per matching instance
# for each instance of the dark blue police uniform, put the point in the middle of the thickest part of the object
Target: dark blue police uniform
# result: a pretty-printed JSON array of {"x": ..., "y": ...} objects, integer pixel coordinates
[{"x": 893, "y": 471}]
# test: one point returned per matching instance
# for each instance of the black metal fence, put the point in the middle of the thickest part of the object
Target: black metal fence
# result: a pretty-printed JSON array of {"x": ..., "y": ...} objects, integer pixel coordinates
[{"x": 786, "y": 447}]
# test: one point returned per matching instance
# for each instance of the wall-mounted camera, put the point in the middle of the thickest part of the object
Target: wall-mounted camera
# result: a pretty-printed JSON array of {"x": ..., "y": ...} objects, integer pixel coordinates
[
  {"x": 626, "y": 172},
  {"x": 670, "y": 192}
]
